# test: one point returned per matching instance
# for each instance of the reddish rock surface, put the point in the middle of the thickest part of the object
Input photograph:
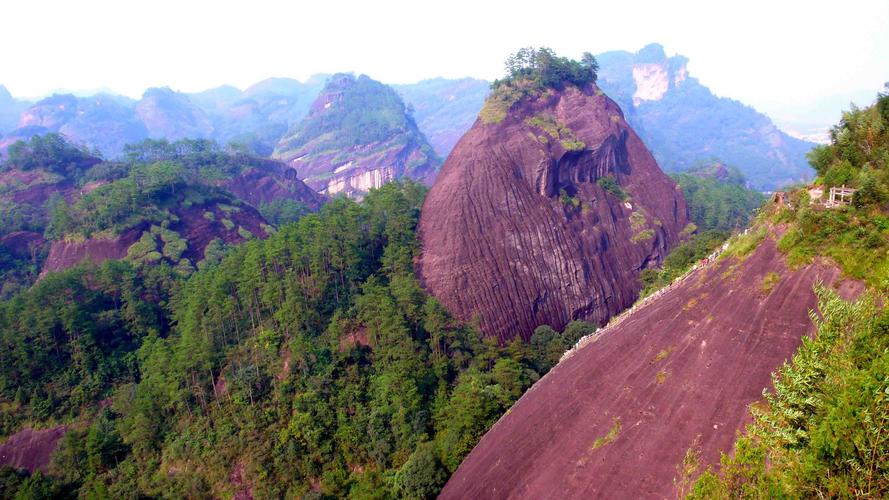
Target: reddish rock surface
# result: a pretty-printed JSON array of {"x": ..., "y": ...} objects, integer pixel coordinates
[
  {"x": 199, "y": 231},
  {"x": 500, "y": 245},
  {"x": 273, "y": 181},
  {"x": 684, "y": 366},
  {"x": 193, "y": 226},
  {"x": 22, "y": 243},
  {"x": 64, "y": 254},
  {"x": 30, "y": 449}
]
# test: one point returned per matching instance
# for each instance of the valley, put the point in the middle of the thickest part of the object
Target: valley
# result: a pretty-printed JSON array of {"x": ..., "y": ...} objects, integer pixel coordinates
[{"x": 591, "y": 278}]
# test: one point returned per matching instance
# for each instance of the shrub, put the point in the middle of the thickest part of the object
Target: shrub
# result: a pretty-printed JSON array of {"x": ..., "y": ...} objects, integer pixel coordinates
[{"x": 610, "y": 185}]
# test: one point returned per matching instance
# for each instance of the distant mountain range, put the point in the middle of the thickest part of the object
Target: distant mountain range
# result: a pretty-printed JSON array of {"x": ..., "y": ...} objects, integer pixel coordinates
[
  {"x": 684, "y": 124},
  {"x": 680, "y": 120}
]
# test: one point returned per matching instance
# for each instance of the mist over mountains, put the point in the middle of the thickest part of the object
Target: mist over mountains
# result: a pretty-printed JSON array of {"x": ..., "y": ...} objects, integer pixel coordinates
[{"x": 680, "y": 120}]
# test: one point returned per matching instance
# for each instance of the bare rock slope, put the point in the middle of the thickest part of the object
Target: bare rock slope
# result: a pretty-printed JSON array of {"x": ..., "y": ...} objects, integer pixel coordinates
[
  {"x": 547, "y": 215},
  {"x": 615, "y": 419}
]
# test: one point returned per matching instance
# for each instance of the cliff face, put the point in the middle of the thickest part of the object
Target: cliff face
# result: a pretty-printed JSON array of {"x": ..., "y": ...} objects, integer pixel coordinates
[
  {"x": 272, "y": 181},
  {"x": 518, "y": 230},
  {"x": 683, "y": 123},
  {"x": 31, "y": 450},
  {"x": 358, "y": 136},
  {"x": 615, "y": 419}
]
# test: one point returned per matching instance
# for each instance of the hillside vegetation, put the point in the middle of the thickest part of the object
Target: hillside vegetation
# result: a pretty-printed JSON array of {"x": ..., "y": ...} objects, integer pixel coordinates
[
  {"x": 531, "y": 71},
  {"x": 312, "y": 362},
  {"x": 54, "y": 192},
  {"x": 719, "y": 204},
  {"x": 822, "y": 431},
  {"x": 362, "y": 111}
]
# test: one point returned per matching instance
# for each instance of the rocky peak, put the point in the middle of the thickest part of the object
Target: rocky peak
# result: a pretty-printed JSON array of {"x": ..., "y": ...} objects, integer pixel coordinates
[
  {"x": 545, "y": 212},
  {"x": 358, "y": 136},
  {"x": 50, "y": 113},
  {"x": 171, "y": 115},
  {"x": 654, "y": 73}
]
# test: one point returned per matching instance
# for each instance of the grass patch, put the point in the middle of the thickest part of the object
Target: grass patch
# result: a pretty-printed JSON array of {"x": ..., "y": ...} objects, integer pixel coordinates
[
  {"x": 680, "y": 260},
  {"x": 556, "y": 130},
  {"x": 857, "y": 240},
  {"x": 641, "y": 236},
  {"x": 568, "y": 200},
  {"x": 229, "y": 225},
  {"x": 613, "y": 433},
  {"x": 769, "y": 282},
  {"x": 637, "y": 220},
  {"x": 688, "y": 230},
  {"x": 743, "y": 245},
  {"x": 661, "y": 377},
  {"x": 663, "y": 354},
  {"x": 498, "y": 103},
  {"x": 690, "y": 304},
  {"x": 610, "y": 185}
]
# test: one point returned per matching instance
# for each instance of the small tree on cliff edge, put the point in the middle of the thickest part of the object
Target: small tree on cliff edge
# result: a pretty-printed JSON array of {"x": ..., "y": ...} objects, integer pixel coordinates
[{"x": 543, "y": 68}]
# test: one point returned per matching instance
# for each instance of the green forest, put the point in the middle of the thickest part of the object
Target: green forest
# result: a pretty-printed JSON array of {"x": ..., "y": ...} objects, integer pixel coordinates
[
  {"x": 312, "y": 363},
  {"x": 312, "y": 359}
]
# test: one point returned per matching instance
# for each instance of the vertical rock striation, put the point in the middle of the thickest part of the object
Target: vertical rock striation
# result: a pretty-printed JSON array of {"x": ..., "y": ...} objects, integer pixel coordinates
[{"x": 518, "y": 230}]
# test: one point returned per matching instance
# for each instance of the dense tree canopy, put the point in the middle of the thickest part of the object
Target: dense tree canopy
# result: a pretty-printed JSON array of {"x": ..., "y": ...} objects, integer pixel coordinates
[
  {"x": 544, "y": 69},
  {"x": 313, "y": 358},
  {"x": 718, "y": 203},
  {"x": 49, "y": 151}
]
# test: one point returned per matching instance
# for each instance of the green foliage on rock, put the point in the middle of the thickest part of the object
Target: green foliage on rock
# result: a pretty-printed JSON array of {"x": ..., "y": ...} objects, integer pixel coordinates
[
  {"x": 545, "y": 69},
  {"x": 529, "y": 73},
  {"x": 280, "y": 212},
  {"x": 361, "y": 111},
  {"x": 610, "y": 185},
  {"x": 822, "y": 430},
  {"x": 856, "y": 237}
]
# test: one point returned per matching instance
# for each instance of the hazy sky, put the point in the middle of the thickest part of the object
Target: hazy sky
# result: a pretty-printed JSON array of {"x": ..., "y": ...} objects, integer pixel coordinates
[{"x": 782, "y": 57}]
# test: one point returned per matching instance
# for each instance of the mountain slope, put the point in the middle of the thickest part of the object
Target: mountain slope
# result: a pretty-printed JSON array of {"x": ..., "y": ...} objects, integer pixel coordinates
[
  {"x": 358, "y": 136},
  {"x": 617, "y": 416},
  {"x": 545, "y": 212},
  {"x": 171, "y": 115},
  {"x": 260, "y": 115},
  {"x": 683, "y": 123},
  {"x": 168, "y": 204},
  {"x": 10, "y": 109},
  {"x": 445, "y": 109}
]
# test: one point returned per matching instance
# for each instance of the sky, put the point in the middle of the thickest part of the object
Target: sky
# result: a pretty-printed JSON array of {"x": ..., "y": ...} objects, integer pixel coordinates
[{"x": 794, "y": 60}]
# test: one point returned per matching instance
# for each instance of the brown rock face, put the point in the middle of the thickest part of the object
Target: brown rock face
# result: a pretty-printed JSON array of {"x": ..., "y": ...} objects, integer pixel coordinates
[
  {"x": 31, "y": 450},
  {"x": 194, "y": 226},
  {"x": 518, "y": 232},
  {"x": 64, "y": 254},
  {"x": 615, "y": 419},
  {"x": 274, "y": 181}
]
